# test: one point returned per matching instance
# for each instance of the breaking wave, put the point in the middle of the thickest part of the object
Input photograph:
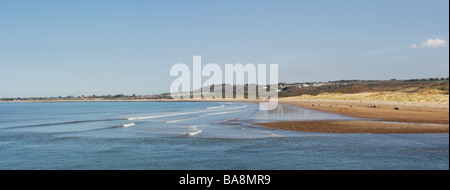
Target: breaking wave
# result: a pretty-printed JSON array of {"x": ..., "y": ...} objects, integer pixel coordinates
[
  {"x": 216, "y": 107},
  {"x": 183, "y": 113},
  {"x": 62, "y": 123},
  {"x": 196, "y": 130},
  {"x": 128, "y": 125}
]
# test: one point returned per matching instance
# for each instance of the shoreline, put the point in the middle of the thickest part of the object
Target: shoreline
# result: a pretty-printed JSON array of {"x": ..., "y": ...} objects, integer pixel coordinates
[
  {"x": 410, "y": 117},
  {"x": 148, "y": 100}
]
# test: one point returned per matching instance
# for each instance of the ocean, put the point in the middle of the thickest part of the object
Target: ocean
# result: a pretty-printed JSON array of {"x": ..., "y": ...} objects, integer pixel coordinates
[{"x": 196, "y": 136}]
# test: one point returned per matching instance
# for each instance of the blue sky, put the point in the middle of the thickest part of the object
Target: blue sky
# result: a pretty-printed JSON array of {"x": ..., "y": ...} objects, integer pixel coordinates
[{"x": 61, "y": 48}]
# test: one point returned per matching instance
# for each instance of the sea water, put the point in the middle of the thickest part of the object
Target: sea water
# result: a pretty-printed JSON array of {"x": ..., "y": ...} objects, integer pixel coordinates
[{"x": 196, "y": 135}]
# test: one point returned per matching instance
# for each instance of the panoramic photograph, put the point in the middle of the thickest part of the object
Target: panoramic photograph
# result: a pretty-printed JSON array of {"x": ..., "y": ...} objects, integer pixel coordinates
[{"x": 224, "y": 85}]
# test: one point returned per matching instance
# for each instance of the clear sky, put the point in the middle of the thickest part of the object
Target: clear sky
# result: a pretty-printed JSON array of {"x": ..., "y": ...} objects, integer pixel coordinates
[{"x": 85, "y": 47}]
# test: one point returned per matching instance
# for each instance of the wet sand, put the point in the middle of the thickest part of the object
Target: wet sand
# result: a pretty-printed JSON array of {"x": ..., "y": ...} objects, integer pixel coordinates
[
  {"x": 375, "y": 127},
  {"x": 414, "y": 118}
]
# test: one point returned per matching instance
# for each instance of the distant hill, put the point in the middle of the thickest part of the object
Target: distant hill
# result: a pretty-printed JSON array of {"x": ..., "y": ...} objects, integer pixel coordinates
[
  {"x": 427, "y": 86},
  {"x": 412, "y": 86}
]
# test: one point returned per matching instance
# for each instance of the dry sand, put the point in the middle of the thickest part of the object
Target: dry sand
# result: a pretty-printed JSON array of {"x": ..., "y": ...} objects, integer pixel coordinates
[{"x": 407, "y": 112}]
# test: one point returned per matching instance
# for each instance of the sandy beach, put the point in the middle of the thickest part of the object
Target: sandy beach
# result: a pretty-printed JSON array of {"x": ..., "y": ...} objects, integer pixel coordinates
[
  {"x": 411, "y": 117},
  {"x": 406, "y": 112}
]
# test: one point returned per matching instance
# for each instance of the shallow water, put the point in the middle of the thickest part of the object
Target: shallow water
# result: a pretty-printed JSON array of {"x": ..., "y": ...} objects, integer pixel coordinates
[{"x": 196, "y": 135}]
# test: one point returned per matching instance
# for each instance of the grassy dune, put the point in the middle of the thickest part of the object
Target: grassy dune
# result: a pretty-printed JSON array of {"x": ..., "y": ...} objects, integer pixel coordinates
[{"x": 420, "y": 97}]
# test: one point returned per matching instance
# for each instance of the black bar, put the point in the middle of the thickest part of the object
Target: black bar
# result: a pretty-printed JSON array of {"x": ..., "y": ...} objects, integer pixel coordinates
[{"x": 257, "y": 178}]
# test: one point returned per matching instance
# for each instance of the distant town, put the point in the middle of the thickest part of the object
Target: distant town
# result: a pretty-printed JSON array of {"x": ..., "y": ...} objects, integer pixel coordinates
[{"x": 437, "y": 85}]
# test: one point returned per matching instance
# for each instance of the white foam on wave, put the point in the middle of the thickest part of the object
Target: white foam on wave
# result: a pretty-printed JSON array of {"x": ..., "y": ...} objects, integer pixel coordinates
[
  {"x": 183, "y": 113},
  {"x": 216, "y": 107},
  {"x": 178, "y": 120},
  {"x": 196, "y": 130},
  {"x": 128, "y": 125}
]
